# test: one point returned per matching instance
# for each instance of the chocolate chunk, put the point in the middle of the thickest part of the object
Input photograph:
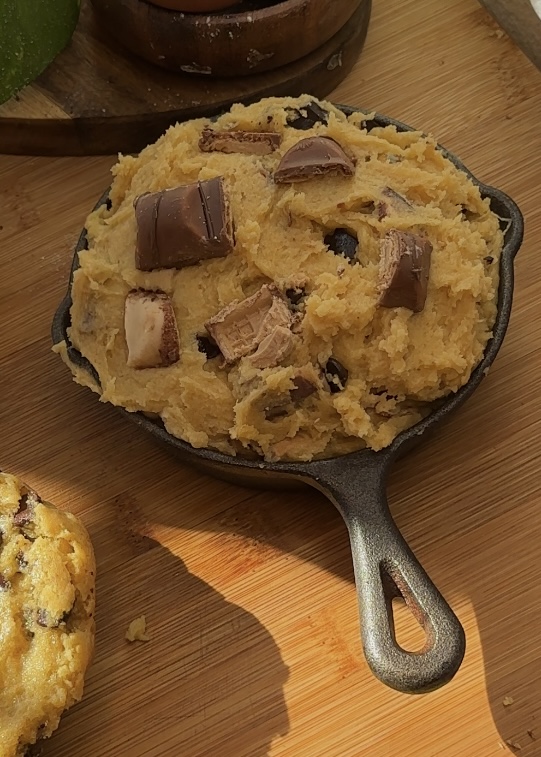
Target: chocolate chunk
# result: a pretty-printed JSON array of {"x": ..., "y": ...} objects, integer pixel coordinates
[
  {"x": 369, "y": 124},
  {"x": 207, "y": 346},
  {"x": 313, "y": 156},
  {"x": 342, "y": 242},
  {"x": 404, "y": 270},
  {"x": 307, "y": 116},
  {"x": 5, "y": 585},
  {"x": 336, "y": 375},
  {"x": 151, "y": 330},
  {"x": 25, "y": 513},
  {"x": 183, "y": 226},
  {"x": 398, "y": 202},
  {"x": 246, "y": 142},
  {"x": 295, "y": 295},
  {"x": 242, "y": 327},
  {"x": 274, "y": 347},
  {"x": 46, "y": 620},
  {"x": 303, "y": 389},
  {"x": 21, "y": 561}
]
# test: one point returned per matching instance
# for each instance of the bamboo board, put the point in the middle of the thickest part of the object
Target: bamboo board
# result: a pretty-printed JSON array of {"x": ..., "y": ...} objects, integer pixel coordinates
[{"x": 249, "y": 596}]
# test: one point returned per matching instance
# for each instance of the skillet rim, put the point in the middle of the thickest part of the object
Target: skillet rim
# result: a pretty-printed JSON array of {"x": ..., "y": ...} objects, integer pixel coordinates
[{"x": 408, "y": 438}]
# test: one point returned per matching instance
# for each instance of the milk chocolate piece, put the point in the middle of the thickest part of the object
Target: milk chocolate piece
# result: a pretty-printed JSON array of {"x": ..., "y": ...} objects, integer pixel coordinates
[
  {"x": 274, "y": 347},
  {"x": 242, "y": 327},
  {"x": 313, "y": 156},
  {"x": 404, "y": 270},
  {"x": 247, "y": 142},
  {"x": 183, "y": 226},
  {"x": 151, "y": 330},
  {"x": 305, "y": 117}
]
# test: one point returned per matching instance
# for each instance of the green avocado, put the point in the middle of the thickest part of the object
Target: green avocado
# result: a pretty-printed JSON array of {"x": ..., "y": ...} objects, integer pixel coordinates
[{"x": 32, "y": 33}]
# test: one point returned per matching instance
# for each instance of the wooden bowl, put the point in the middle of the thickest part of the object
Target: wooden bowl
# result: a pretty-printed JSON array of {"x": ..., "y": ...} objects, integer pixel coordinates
[
  {"x": 225, "y": 44},
  {"x": 194, "y": 6}
]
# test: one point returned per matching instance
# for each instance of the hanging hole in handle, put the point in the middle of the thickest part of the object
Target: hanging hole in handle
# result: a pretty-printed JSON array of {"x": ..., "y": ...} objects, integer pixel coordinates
[{"x": 409, "y": 626}]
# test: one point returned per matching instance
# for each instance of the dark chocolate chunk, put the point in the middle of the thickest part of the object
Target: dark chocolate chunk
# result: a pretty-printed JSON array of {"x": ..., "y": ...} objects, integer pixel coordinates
[
  {"x": 303, "y": 389},
  {"x": 398, "y": 201},
  {"x": 342, "y": 242},
  {"x": 489, "y": 259},
  {"x": 295, "y": 295},
  {"x": 210, "y": 348},
  {"x": 404, "y": 270},
  {"x": 246, "y": 142},
  {"x": 183, "y": 226},
  {"x": 336, "y": 375},
  {"x": 307, "y": 116},
  {"x": 5, "y": 585},
  {"x": 313, "y": 156},
  {"x": 25, "y": 513},
  {"x": 369, "y": 124}
]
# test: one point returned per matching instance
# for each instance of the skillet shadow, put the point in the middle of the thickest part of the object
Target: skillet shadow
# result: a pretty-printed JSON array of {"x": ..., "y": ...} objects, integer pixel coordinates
[
  {"x": 459, "y": 534},
  {"x": 205, "y": 656}
]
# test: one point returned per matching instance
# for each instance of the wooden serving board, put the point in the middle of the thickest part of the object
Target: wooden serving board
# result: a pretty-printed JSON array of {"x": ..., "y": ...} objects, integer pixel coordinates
[
  {"x": 254, "y": 644},
  {"x": 95, "y": 98}
]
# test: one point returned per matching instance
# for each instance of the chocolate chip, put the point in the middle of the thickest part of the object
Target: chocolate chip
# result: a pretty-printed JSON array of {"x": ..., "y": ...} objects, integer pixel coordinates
[
  {"x": 303, "y": 389},
  {"x": 206, "y": 345},
  {"x": 108, "y": 203},
  {"x": 342, "y": 242},
  {"x": 489, "y": 259},
  {"x": 5, "y": 585},
  {"x": 45, "y": 619},
  {"x": 278, "y": 409},
  {"x": 25, "y": 513},
  {"x": 336, "y": 374},
  {"x": 369, "y": 124},
  {"x": 306, "y": 117},
  {"x": 295, "y": 295},
  {"x": 21, "y": 561}
]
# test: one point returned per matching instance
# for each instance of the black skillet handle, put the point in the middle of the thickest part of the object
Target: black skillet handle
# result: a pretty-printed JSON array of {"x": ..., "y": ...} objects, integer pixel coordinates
[{"x": 385, "y": 567}]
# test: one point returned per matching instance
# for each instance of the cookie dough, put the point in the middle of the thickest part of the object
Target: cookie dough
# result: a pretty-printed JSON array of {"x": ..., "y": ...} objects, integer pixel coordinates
[
  {"x": 47, "y": 577},
  {"x": 312, "y": 233}
]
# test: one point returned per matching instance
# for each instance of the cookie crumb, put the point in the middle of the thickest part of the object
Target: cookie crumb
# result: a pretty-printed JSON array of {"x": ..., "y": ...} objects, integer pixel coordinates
[
  {"x": 508, "y": 701},
  {"x": 137, "y": 630}
]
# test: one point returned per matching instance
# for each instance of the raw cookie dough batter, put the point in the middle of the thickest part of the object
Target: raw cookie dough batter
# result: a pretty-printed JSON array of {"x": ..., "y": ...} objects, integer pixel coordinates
[
  {"x": 47, "y": 577},
  {"x": 392, "y": 362}
]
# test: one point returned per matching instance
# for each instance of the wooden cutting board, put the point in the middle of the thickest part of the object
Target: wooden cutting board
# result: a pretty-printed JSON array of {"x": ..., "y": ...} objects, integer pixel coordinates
[
  {"x": 254, "y": 644},
  {"x": 97, "y": 98}
]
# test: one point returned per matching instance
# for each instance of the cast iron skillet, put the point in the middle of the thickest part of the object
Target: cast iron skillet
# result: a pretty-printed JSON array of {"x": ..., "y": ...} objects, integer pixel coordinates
[{"x": 355, "y": 483}]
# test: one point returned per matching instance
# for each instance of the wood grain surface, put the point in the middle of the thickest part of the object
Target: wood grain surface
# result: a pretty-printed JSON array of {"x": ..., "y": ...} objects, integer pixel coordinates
[
  {"x": 96, "y": 99},
  {"x": 249, "y": 596}
]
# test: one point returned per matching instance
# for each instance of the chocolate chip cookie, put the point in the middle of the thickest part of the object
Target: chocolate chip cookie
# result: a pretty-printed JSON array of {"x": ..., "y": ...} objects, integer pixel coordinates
[
  {"x": 47, "y": 579},
  {"x": 287, "y": 280}
]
